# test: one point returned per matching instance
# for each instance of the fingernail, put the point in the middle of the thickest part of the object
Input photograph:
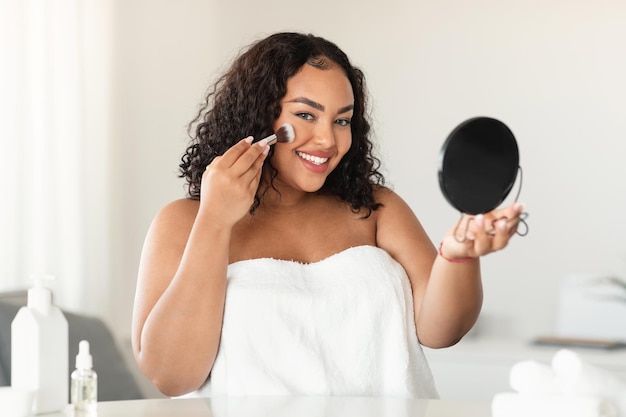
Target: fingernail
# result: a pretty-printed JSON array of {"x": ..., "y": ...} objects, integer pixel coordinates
[
  {"x": 262, "y": 143},
  {"x": 248, "y": 140},
  {"x": 502, "y": 224},
  {"x": 519, "y": 207},
  {"x": 479, "y": 219}
]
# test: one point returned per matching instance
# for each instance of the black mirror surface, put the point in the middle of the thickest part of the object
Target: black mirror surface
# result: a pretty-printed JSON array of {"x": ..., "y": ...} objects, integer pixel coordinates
[{"x": 478, "y": 166}]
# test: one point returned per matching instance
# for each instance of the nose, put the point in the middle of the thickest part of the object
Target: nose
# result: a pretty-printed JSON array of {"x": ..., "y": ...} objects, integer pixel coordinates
[{"x": 324, "y": 135}]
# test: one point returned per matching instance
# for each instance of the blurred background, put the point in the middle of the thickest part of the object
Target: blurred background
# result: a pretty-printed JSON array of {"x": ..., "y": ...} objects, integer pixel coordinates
[{"x": 96, "y": 96}]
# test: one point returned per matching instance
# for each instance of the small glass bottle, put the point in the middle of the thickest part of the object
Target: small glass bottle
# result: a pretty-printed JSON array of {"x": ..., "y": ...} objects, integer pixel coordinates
[{"x": 84, "y": 386}]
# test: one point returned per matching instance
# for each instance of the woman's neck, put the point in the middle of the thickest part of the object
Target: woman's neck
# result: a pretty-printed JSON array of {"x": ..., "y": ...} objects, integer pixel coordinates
[{"x": 286, "y": 200}]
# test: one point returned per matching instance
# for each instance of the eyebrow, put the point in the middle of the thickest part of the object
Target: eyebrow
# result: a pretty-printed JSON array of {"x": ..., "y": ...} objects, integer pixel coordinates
[{"x": 319, "y": 106}]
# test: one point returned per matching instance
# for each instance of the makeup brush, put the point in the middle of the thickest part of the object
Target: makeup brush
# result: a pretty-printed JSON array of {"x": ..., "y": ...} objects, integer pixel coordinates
[{"x": 284, "y": 134}]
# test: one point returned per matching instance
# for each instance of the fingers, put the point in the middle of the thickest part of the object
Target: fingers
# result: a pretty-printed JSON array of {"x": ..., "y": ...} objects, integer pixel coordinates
[
  {"x": 230, "y": 182},
  {"x": 502, "y": 232},
  {"x": 242, "y": 157},
  {"x": 479, "y": 234},
  {"x": 489, "y": 232},
  {"x": 235, "y": 151},
  {"x": 249, "y": 164},
  {"x": 252, "y": 175},
  {"x": 511, "y": 212}
]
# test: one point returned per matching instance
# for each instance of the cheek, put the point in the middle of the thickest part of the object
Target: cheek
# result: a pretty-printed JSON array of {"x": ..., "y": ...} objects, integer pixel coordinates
[
  {"x": 280, "y": 156},
  {"x": 344, "y": 143}
]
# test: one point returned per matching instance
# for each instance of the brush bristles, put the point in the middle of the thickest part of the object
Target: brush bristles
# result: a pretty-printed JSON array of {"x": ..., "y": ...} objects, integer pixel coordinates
[{"x": 285, "y": 134}]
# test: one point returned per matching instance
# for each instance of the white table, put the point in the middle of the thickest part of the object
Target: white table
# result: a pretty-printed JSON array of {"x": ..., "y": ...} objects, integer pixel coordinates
[{"x": 290, "y": 407}]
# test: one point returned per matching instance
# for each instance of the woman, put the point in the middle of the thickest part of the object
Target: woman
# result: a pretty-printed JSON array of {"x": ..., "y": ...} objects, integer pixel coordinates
[{"x": 292, "y": 269}]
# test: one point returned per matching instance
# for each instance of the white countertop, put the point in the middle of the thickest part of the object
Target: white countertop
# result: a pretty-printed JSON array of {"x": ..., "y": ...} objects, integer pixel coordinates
[{"x": 290, "y": 407}]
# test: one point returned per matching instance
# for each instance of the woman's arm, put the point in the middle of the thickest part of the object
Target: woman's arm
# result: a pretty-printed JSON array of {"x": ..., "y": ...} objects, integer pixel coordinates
[
  {"x": 180, "y": 298},
  {"x": 181, "y": 288},
  {"x": 447, "y": 295}
]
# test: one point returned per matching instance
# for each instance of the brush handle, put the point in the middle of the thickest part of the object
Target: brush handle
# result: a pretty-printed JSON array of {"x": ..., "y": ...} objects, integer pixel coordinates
[{"x": 271, "y": 139}]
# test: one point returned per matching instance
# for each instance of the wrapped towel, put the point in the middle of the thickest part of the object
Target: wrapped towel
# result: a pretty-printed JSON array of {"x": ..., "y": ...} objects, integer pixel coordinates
[
  {"x": 534, "y": 378},
  {"x": 342, "y": 326},
  {"x": 510, "y": 404},
  {"x": 577, "y": 377},
  {"x": 570, "y": 387}
]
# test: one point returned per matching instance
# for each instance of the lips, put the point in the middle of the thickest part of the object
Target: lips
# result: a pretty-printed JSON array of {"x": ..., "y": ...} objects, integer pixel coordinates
[{"x": 315, "y": 160}]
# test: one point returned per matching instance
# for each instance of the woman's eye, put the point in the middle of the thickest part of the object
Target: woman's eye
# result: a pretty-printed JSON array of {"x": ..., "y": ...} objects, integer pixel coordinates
[
  {"x": 305, "y": 116},
  {"x": 343, "y": 122}
]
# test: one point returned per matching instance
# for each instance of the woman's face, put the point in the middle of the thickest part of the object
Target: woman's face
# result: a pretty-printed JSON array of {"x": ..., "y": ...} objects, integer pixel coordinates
[{"x": 319, "y": 105}]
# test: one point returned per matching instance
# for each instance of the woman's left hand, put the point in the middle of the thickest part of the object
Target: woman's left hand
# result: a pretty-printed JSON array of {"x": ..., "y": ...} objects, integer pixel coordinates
[{"x": 478, "y": 235}]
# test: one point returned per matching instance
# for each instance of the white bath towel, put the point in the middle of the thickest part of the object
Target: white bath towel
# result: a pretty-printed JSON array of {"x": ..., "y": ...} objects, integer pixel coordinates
[
  {"x": 533, "y": 378},
  {"x": 510, "y": 404},
  {"x": 341, "y": 326},
  {"x": 575, "y": 376},
  {"x": 569, "y": 387}
]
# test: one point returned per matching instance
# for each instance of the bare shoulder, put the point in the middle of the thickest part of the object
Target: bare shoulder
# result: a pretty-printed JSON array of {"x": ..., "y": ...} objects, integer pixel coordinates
[
  {"x": 175, "y": 220},
  {"x": 179, "y": 211},
  {"x": 165, "y": 243},
  {"x": 399, "y": 231},
  {"x": 394, "y": 211},
  {"x": 391, "y": 202}
]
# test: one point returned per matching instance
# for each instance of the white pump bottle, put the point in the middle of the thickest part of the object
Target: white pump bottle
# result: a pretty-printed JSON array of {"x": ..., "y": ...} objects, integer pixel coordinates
[{"x": 39, "y": 350}]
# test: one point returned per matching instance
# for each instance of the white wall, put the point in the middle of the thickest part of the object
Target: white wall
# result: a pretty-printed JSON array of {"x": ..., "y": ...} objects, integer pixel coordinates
[{"x": 554, "y": 71}]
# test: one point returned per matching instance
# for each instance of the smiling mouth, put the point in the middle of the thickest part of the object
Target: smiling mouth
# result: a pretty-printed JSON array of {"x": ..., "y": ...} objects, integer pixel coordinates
[{"x": 315, "y": 160}]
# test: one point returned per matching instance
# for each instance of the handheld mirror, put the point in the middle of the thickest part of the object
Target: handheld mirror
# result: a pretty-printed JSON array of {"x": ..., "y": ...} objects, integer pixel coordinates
[{"x": 479, "y": 163}]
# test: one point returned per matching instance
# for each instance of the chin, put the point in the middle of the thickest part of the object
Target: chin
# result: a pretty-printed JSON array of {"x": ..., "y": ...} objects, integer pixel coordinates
[{"x": 311, "y": 188}]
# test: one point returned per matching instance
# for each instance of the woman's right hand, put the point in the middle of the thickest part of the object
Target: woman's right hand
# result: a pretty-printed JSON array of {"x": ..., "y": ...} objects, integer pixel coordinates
[{"x": 230, "y": 182}]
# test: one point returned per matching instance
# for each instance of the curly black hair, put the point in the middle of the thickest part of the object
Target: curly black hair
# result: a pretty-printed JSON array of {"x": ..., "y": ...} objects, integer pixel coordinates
[{"x": 246, "y": 101}]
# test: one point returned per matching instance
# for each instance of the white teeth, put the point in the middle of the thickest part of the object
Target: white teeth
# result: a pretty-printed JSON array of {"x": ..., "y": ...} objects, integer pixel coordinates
[{"x": 314, "y": 159}]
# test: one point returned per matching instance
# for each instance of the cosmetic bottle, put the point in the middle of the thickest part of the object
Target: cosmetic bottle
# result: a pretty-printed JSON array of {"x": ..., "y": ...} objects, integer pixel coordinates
[
  {"x": 39, "y": 350},
  {"x": 84, "y": 385}
]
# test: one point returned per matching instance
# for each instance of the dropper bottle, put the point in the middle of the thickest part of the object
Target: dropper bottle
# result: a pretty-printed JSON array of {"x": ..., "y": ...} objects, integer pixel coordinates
[{"x": 84, "y": 386}]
